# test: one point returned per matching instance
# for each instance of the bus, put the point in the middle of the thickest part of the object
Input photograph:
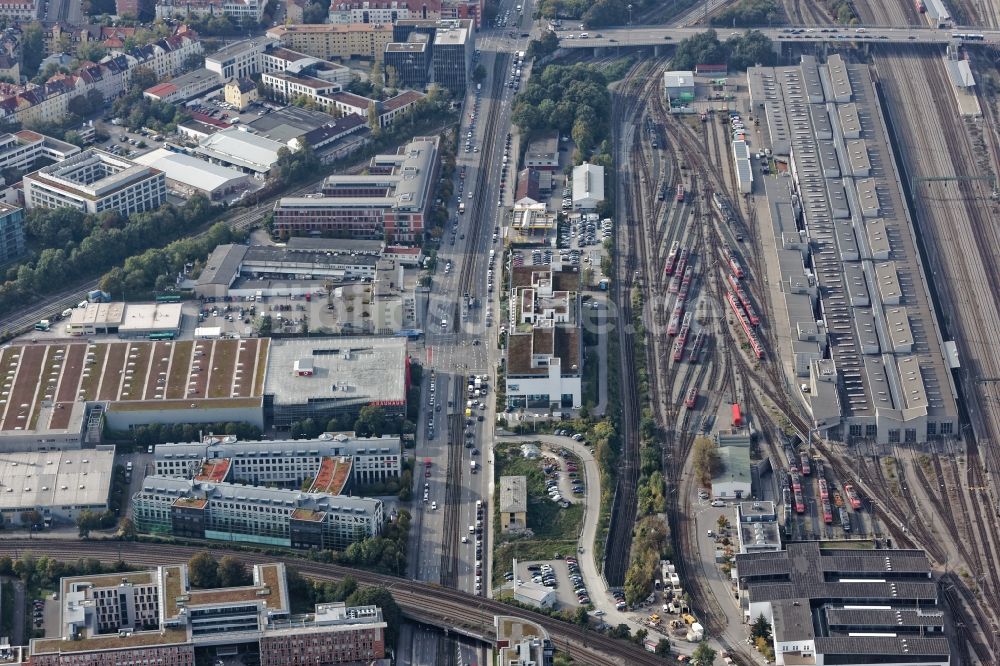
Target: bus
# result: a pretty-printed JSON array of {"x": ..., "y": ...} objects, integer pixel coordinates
[
  {"x": 168, "y": 298},
  {"x": 169, "y": 335}
]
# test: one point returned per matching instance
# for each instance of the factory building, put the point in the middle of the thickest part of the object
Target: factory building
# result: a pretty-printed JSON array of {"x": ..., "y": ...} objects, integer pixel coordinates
[
  {"x": 187, "y": 176},
  {"x": 93, "y": 182},
  {"x": 209, "y": 509},
  {"x": 56, "y": 484},
  {"x": 845, "y": 606},
  {"x": 157, "y": 617},
  {"x": 240, "y": 150}
]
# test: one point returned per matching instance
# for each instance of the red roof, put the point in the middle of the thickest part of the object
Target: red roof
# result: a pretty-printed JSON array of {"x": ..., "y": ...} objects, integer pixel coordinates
[{"x": 161, "y": 89}]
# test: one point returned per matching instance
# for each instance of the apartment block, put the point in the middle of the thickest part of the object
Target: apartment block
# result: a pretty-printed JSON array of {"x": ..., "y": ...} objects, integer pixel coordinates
[{"x": 351, "y": 40}]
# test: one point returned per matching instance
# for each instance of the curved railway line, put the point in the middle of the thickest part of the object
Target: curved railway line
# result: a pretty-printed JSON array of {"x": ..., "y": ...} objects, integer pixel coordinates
[{"x": 419, "y": 601}]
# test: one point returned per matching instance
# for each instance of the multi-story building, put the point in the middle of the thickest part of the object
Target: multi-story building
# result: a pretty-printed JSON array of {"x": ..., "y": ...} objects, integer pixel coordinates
[
  {"x": 384, "y": 11},
  {"x": 284, "y": 463},
  {"x": 167, "y": 56},
  {"x": 184, "y": 87},
  {"x": 240, "y": 93},
  {"x": 21, "y": 150},
  {"x": 410, "y": 60},
  {"x": 241, "y": 10},
  {"x": 157, "y": 617},
  {"x": 544, "y": 353},
  {"x": 452, "y": 56},
  {"x": 11, "y": 232},
  {"x": 829, "y": 605},
  {"x": 26, "y": 10},
  {"x": 391, "y": 201},
  {"x": 344, "y": 41},
  {"x": 95, "y": 181},
  {"x": 240, "y": 60},
  {"x": 203, "y": 508}
]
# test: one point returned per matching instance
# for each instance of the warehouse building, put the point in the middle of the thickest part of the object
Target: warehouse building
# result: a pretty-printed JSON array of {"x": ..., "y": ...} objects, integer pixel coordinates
[
  {"x": 253, "y": 514},
  {"x": 392, "y": 201},
  {"x": 827, "y": 253},
  {"x": 678, "y": 87},
  {"x": 345, "y": 374},
  {"x": 157, "y": 617},
  {"x": 95, "y": 181},
  {"x": 142, "y": 320},
  {"x": 187, "y": 176},
  {"x": 56, "y": 484},
  {"x": 588, "y": 186},
  {"x": 845, "y": 606},
  {"x": 283, "y": 463},
  {"x": 240, "y": 150}
]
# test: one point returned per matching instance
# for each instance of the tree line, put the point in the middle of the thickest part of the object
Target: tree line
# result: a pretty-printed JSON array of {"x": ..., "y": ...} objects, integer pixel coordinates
[{"x": 739, "y": 52}]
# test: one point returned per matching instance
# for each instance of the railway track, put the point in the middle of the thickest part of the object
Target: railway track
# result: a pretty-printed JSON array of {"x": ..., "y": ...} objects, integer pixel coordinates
[{"x": 421, "y": 602}]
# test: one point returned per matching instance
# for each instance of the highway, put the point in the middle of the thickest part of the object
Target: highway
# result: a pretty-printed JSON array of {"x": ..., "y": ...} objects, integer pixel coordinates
[
  {"x": 422, "y": 602},
  {"x": 658, "y": 35}
]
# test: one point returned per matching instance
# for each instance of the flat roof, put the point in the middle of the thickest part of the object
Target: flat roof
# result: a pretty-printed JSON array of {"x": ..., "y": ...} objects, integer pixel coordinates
[
  {"x": 513, "y": 494},
  {"x": 191, "y": 171},
  {"x": 345, "y": 370},
  {"x": 140, "y": 317},
  {"x": 243, "y": 149},
  {"x": 42, "y": 479},
  {"x": 98, "y": 314},
  {"x": 233, "y": 50}
]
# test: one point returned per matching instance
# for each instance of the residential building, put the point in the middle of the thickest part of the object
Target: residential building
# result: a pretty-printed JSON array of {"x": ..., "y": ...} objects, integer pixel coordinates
[
  {"x": 184, "y": 87},
  {"x": 391, "y": 201},
  {"x": 346, "y": 374},
  {"x": 241, "y": 10},
  {"x": 240, "y": 93},
  {"x": 513, "y": 503},
  {"x": 157, "y": 617},
  {"x": 384, "y": 12},
  {"x": 410, "y": 60},
  {"x": 463, "y": 9},
  {"x": 344, "y": 41},
  {"x": 10, "y": 67},
  {"x": 208, "y": 509},
  {"x": 94, "y": 181},
  {"x": 240, "y": 150},
  {"x": 284, "y": 463},
  {"x": 11, "y": 232},
  {"x": 543, "y": 152},
  {"x": 168, "y": 56},
  {"x": 187, "y": 175},
  {"x": 544, "y": 353},
  {"x": 588, "y": 186},
  {"x": 829, "y": 605},
  {"x": 24, "y": 10}
]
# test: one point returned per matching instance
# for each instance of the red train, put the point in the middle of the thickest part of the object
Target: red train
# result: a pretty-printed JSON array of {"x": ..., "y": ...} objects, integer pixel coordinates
[
  {"x": 682, "y": 336},
  {"x": 800, "y": 505},
  {"x": 682, "y": 260},
  {"x": 672, "y": 258},
  {"x": 824, "y": 491},
  {"x": 804, "y": 457},
  {"x": 675, "y": 318},
  {"x": 737, "y": 416},
  {"x": 741, "y": 294},
  {"x": 920, "y": 6},
  {"x": 733, "y": 261},
  {"x": 680, "y": 193},
  {"x": 675, "y": 284},
  {"x": 699, "y": 342},
  {"x": 827, "y": 512},
  {"x": 692, "y": 398},
  {"x": 852, "y": 496},
  {"x": 838, "y": 499},
  {"x": 755, "y": 345}
]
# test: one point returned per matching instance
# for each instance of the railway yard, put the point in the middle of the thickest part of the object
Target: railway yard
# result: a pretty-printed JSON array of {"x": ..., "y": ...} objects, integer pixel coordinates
[{"x": 901, "y": 444}]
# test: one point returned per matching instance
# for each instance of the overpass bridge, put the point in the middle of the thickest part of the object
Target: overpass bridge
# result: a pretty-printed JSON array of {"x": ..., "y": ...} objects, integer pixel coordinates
[{"x": 659, "y": 36}]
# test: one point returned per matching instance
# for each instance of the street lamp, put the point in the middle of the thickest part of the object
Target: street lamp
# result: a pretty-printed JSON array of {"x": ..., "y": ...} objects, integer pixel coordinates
[{"x": 630, "y": 13}]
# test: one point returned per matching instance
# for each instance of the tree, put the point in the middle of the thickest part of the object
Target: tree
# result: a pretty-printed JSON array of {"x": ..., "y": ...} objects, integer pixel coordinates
[
  {"x": 640, "y": 636},
  {"x": 233, "y": 573},
  {"x": 203, "y": 570},
  {"x": 620, "y": 631},
  {"x": 314, "y": 13},
  {"x": 371, "y": 421},
  {"x": 126, "y": 529},
  {"x": 663, "y": 647},
  {"x": 580, "y": 616},
  {"x": 703, "y": 655},
  {"x": 265, "y": 326},
  {"x": 479, "y": 73},
  {"x": 86, "y": 521},
  {"x": 31, "y": 518},
  {"x": 32, "y": 48},
  {"x": 91, "y": 51},
  {"x": 392, "y": 77},
  {"x": 761, "y": 628},
  {"x": 142, "y": 78},
  {"x": 373, "y": 121}
]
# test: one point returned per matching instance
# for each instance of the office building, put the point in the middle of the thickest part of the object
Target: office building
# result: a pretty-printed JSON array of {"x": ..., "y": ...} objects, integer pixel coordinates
[
  {"x": 452, "y": 57},
  {"x": 239, "y": 60},
  {"x": 390, "y": 202},
  {"x": 544, "y": 353},
  {"x": 203, "y": 508},
  {"x": 543, "y": 152},
  {"x": 845, "y": 606},
  {"x": 283, "y": 463},
  {"x": 757, "y": 527},
  {"x": 11, "y": 232},
  {"x": 93, "y": 182},
  {"x": 411, "y": 61},
  {"x": 157, "y": 617},
  {"x": 343, "y": 41},
  {"x": 184, "y": 87},
  {"x": 21, "y": 150}
]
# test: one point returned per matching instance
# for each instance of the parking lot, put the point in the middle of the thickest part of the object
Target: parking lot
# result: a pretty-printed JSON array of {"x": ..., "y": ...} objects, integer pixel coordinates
[{"x": 547, "y": 572}]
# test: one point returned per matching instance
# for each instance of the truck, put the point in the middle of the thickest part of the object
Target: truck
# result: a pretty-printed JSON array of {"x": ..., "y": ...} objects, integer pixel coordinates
[
  {"x": 43, "y": 325},
  {"x": 98, "y": 296},
  {"x": 479, "y": 382}
]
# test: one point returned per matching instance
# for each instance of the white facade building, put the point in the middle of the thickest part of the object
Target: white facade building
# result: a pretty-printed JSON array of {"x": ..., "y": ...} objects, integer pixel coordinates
[
  {"x": 588, "y": 186},
  {"x": 95, "y": 181}
]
